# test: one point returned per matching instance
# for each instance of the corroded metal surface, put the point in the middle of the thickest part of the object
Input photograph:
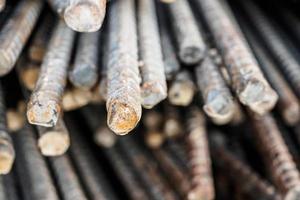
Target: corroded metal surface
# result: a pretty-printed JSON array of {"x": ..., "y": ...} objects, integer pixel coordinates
[
  {"x": 247, "y": 79},
  {"x": 16, "y": 31},
  {"x": 190, "y": 44},
  {"x": 44, "y": 107},
  {"x": 154, "y": 86},
  {"x": 218, "y": 101},
  {"x": 123, "y": 80},
  {"x": 202, "y": 184},
  {"x": 277, "y": 157}
]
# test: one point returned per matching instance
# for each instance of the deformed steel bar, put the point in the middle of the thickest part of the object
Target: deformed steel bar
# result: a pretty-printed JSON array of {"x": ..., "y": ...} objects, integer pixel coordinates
[
  {"x": 16, "y": 31},
  {"x": 190, "y": 43},
  {"x": 85, "y": 15},
  {"x": 127, "y": 175},
  {"x": 84, "y": 73},
  {"x": 157, "y": 187},
  {"x": 178, "y": 151},
  {"x": 66, "y": 178},
  {"x": 182, "y": 89},
  {"x": 277, "y": 157},
  {"x": 53, "y": 141},
  {"x": 38, "y": 46},
  {"x": 11, "y": 186},
  {"x": 36, "y": 181},
  {"x": 90, "y": 173},
  {"x": 202, "y": 184},
  {"x": 120, "y": 165},
  {"x": 248, "y": 81},
  {"x": 123, "y": 81},
  {"x": 267, "y": 30},
  {"x": 154, "y": 86},
  {"x": 218, "y": 101},
  {"x": 176, "y": 175},
  {"x": 81, "y": 15},
  {"x": 44, "y": 107},
  {"x": 249, "y": 182},
  {"x": 171, "y": 62},
  {"x": 288, "y": 104}
]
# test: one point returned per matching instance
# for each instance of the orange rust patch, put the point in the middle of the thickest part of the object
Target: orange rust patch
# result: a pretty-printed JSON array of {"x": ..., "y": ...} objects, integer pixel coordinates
[{"x": 121, "y": 118}]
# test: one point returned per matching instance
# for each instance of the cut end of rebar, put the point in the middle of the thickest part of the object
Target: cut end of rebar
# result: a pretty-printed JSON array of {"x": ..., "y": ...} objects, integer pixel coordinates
[
  {"x": 7, "y": 157},
  {"x": 220, "y": 109},
  {"x": 258, "y": 96},
  {"x": 293, "y": 194},
  {"x": 181, "y": 94},
  {"x": 85, "y": 17},
  {"x": 122, "y": 118},
  {"x": 6, "y": 163},
  {"x": 105, "y": 137},
  {"x": 84, "y": 77},
  {"x": 152, "y": 94},
  {"x": 191, "y": 55},
  {"x": 54, "y": 143},
  {"x": 44, "y": 113}
]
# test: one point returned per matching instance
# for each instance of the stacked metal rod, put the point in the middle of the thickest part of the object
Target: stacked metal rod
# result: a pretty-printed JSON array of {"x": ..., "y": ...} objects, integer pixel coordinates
[{"x": 208, "y": 90}]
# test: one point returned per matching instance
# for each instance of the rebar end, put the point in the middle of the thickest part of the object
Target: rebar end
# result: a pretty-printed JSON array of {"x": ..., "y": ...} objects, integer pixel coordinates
[
  {"x": 84, "y": 17},
  {"x": 7, "y": 157},
  {"x": 260, "y": 97},
  {"x": 220, "y": 109},
  {"x": 54, "y": 143},
  {"x": 44, "y": 113},
  {"x": 122, "y": 118},
  {"x": 191, "y": 55},
  {"x": 181, "y": 94}
]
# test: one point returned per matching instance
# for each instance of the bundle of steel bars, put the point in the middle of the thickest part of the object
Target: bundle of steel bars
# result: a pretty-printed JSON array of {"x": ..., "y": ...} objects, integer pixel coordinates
[{"x": 149, "y": 100}]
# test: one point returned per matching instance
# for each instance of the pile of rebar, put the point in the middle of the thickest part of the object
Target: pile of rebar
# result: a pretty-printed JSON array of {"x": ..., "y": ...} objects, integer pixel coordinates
[{"x": 209, "y": 89}]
